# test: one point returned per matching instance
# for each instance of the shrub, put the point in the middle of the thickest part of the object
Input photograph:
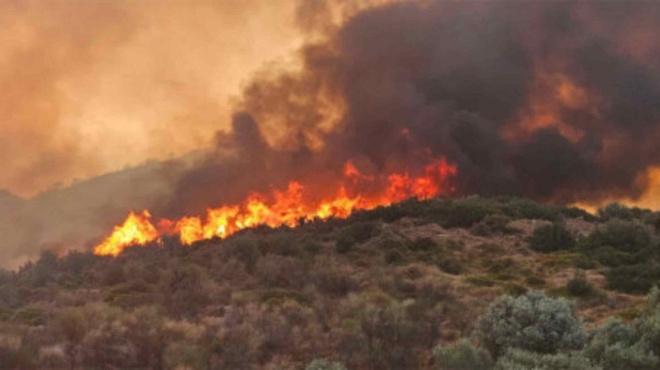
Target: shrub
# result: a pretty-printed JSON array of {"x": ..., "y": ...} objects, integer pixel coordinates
[
  {"x": 612, "y": 257},
  {"x": 390, "y": 332},
  {"x": 462, "y": 356},
  {"x": 394, "y": 257},
  {"x": 323, "y": 364},
  {"x": 392, "y": 243},
  {"x": 361, "y": 232},
  {"x": 481, "y": 281},
  {"x": 521, "y": 208},
  {"x": 33, "y": 316},
  {"x": 616, "y": 210},
  {"x": 467, "y": 212},
  {"x": 492, "y": 224},
  {"x": 625, "y": 236},
  {"x": 551, "y": 238},
  {"x": 535, "y": 281},
  {"x": 450, "y": 265},
  {"x": 333, "y": 278},
  {"x": 313, "y": 247},
  {"x": 579, "y": 286},
  {"x": 532, "y": 322},
  {"x": 617, "y": 346},
  {"x": 516, "y": 359},
  {"x": 345, "y": 243},
  {"x": 515, "y": 290},
  {"x": 423, "y": 244},
  {"x": 633, "y": 279}
]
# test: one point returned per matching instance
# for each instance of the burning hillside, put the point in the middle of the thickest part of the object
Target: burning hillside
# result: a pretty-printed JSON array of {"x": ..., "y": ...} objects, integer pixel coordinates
[
  {"x": 289, "y": 207},
  {"x": 535, "y": 100},
  {"x": 553, "y": 101}
]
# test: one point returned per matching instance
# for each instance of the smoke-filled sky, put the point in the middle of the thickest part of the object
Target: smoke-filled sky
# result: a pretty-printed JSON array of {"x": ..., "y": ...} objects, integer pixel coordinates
[
  {"x": 553, "y": 100},
  {"x": 94, "y": 86}
]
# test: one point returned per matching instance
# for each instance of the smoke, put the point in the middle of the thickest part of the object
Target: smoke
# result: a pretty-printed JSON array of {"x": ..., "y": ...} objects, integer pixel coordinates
[
  {"x": 549, "y": 100},
  {"x": 91, "y": 87},
  {"x": 556, "y": 101}
]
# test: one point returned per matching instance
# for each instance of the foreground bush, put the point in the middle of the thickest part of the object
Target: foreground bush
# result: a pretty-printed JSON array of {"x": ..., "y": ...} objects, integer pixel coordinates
[
  {"x": 531, "y": 322},
  {"x": 618, "y": 346}
]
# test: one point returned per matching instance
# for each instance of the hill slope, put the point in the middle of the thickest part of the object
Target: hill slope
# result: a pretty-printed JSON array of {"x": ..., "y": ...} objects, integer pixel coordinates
[{"x": 379, "y": 290}]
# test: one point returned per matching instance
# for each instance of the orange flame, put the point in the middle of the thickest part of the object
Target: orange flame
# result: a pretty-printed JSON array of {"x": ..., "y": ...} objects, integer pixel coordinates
[
  {"x": 137, "y": 229},
  {"x": 287, "y": 207}
]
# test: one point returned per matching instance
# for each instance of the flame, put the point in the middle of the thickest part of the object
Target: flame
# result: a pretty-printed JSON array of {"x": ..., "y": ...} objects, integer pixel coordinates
[
  {"x": 650, "y": 199},
  {"x": 137, "y": 229},
  {"x": 288, "y": 207}
]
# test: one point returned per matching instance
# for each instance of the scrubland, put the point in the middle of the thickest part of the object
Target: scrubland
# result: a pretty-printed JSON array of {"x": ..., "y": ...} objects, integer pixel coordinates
[{"x": 472, "y": 283}]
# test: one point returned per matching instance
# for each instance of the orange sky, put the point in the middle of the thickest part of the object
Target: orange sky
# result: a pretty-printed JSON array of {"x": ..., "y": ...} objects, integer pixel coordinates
[{"x": 95, "y": 86}]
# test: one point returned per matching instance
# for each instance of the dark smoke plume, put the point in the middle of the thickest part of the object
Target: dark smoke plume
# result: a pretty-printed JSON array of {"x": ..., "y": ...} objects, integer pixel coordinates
[{"x": 457, "y": 78}]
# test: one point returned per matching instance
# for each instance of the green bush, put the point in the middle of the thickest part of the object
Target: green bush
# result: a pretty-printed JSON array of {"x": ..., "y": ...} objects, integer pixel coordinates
[
  {"x": 624, "y": 236},
  {"x": 535, "y": 282},
  {"x": 493, "y": 224},
  {"x": 462, "y": 356},
  {"x": 579, "y": 286},
  {"x": 313, "y": 247},
  {"x": 246, "y": 249},
  {"x": 551, "y": 238},
  {"x": 515, "y": 290},
  {"x": 362, "y": 231},
  {"x": 618, "y": 211},
  {"x": 532, "y": 322},
  {"x": 516, "y": 359},
  {"x": 345, "y": 243},
  {"x": 424, "y": 244},
  {"x": 323, "y": 364},
  {"x": 633, "y": 279},
  {"x": 392, "y": 243},
  {"x": 468, "y": 211},
  {"x": 394, "y": 257},
  {"x": 618, "y": 346},
  {"x": 450, "y": 265}
]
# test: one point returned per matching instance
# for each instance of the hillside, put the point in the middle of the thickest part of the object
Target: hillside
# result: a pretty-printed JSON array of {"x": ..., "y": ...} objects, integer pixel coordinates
[{"x": 384, "y": 289}]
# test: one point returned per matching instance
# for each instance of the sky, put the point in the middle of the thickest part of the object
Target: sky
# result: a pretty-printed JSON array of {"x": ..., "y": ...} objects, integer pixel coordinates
[{"x": 91, "y": 87}]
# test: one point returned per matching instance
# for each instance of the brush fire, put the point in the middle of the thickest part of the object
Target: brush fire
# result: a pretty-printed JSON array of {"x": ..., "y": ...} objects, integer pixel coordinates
[
  {"x": 334, "y": 107},
  {"x": 288, "y": 207}
]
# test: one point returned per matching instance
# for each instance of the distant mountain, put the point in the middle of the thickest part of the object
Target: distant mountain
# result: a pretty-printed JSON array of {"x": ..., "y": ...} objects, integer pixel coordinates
[{"x": 71, "y": 217}]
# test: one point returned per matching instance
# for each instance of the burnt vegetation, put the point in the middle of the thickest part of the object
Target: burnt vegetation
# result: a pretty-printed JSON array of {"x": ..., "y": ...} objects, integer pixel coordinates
[{"x": 412, "y": 285}]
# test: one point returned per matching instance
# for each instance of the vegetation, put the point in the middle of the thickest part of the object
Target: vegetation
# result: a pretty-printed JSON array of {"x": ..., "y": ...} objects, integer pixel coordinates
[
  {"x": 531, "y": 322},
  {"x": 474, "y": 283},
  {"x": 551, "y": 238}
]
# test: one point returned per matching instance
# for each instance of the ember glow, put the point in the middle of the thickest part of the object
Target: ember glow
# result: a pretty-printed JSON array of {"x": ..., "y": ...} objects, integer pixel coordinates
[{"x": 287, "y": 207}]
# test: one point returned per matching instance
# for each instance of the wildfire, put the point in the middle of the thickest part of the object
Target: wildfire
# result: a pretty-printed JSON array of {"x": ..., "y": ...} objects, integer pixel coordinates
[
  {"x": 287, "y": 207},
  {"x": 136, "y": 229}
]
